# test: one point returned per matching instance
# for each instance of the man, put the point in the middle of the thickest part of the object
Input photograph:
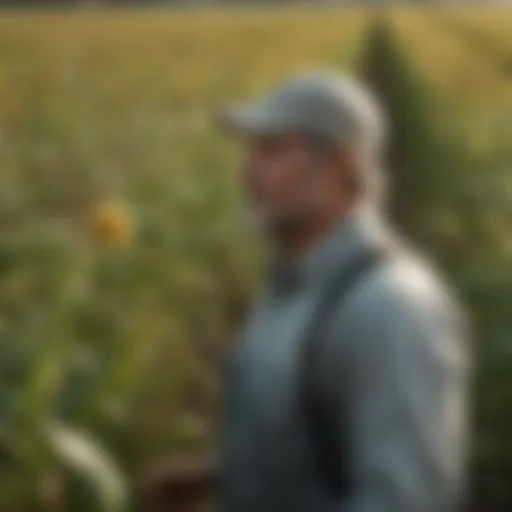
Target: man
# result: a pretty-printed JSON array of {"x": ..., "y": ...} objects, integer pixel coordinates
[
  {"x": 346, "y": 389},
  {"x": 387, "y": 361}
]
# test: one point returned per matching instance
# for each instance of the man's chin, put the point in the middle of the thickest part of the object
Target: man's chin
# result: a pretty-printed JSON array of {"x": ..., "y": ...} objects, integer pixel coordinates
[{"x": 275, "y": 226}]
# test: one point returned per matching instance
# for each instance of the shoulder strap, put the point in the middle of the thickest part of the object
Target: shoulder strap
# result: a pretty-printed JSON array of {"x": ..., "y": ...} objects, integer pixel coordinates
[{"x": 327, "y": 452}]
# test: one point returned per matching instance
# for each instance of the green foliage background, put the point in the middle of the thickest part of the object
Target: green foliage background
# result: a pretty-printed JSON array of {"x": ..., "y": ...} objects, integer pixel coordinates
[{"x": 100, "y": 331}]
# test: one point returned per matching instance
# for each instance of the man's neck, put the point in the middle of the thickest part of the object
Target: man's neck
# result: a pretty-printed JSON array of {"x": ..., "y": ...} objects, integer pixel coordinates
[{"x": 302, "y": 237}]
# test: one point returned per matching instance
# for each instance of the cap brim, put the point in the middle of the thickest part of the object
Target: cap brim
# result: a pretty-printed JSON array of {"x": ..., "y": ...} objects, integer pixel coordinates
[{"x": 253, "y": 120}]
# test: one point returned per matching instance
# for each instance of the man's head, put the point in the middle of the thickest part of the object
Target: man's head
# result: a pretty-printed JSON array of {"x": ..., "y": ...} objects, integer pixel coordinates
[{"x": 313, "y": 149}]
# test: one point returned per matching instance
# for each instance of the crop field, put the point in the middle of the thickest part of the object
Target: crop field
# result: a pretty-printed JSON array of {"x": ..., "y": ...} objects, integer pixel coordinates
[{"x": 123, "y": 248}]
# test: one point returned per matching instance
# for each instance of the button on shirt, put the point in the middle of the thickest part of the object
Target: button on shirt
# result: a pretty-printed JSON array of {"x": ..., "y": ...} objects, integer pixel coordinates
[{"x": 396, "y": 347}]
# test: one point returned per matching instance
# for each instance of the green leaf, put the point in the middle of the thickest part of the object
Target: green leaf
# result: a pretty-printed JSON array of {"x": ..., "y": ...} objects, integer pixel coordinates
[{"x": 86, "y": 458}]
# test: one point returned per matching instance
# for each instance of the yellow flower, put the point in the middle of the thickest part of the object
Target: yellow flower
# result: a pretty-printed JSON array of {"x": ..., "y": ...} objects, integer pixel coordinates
[{"x": 112, "y": 223}]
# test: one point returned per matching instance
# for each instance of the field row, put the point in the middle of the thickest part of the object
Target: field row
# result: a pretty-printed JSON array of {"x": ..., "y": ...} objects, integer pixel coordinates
[
  {"x": 460, "y": 58},
  {"x": 184, "y": 58}
]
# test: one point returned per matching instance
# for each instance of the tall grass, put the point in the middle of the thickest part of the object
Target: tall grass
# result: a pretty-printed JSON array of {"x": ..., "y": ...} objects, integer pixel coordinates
[{"x": 123, "y": 244}]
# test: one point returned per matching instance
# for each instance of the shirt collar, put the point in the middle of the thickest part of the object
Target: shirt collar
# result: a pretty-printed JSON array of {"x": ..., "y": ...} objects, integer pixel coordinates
[{"x": 338, "y": 248}]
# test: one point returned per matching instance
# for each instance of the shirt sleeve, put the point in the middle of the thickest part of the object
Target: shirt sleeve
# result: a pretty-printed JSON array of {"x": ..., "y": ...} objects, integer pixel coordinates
[{"x": 405, "y": 377}]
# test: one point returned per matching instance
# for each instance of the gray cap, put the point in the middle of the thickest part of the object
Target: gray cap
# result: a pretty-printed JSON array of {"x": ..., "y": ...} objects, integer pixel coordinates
[{"x": 328, "y": 104}]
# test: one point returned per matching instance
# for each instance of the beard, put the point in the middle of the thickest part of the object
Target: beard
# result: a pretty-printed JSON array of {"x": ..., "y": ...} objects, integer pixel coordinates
[{"x": 278, "y": 227}]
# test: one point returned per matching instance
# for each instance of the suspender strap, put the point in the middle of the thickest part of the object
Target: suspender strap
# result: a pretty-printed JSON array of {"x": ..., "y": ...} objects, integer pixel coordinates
[{"x": 329, "y": 457}]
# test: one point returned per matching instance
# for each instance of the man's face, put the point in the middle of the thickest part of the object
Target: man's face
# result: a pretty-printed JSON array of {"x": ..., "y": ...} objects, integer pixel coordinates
[{"x": 285, "y": 180}]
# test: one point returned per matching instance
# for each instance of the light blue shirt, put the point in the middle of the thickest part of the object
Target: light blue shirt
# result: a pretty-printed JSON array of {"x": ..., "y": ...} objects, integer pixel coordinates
[{"x": 397, "y": 347}]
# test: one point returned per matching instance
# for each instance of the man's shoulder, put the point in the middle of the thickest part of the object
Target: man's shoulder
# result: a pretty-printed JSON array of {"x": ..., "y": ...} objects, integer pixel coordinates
[
  {"x": 403, "y": 288},
  {"x": 402, "y": 279},
  {"x": 401, "y": 306}
]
